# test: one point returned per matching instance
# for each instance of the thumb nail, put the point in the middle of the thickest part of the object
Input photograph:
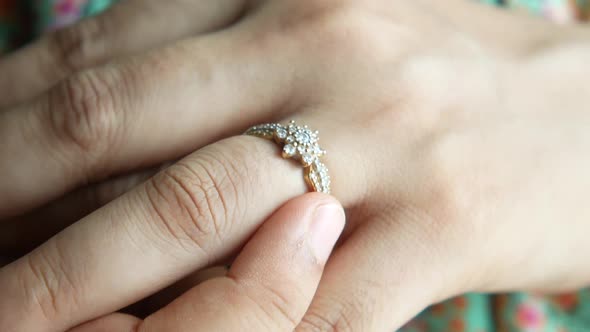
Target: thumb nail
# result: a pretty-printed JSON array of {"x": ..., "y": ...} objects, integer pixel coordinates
[{"x": 325, "y": 229}]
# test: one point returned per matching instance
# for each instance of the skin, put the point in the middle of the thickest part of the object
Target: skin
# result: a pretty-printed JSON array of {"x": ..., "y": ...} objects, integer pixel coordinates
[{"x": 449, "y": 140}]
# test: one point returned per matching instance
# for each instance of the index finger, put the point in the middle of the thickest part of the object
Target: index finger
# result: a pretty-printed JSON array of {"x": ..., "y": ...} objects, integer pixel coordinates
[{"x": 192, "y": 214}]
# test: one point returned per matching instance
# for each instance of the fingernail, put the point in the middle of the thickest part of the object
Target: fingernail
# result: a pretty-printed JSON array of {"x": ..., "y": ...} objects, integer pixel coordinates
[{"x": 325, "y": 229}]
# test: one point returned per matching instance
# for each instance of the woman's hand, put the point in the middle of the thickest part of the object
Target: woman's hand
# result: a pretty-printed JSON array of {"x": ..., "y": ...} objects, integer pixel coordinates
[
  {"x": 268, "y": 288},
  {"x": 448, "y": 142}
]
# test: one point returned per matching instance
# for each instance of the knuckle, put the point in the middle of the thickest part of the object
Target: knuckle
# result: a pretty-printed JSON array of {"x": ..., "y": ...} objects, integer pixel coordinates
[
  {"x": 336, "y": 27},
  {"x": 83, "y": 112},
  {"x": 278, "y": 306},
  {"x": 336, "y": 320},
  {"x": 47, "y": 286},
  {"x": 193, "y": 202},
  {"x": 451, "y": 185},
  {"x": 273, "y": 305},
  {"x": 315, "y": 16},
  {"x": 74, "y": 47},
  {"x": 344, "y": 312},
  {"x": 449, "y": 194}
]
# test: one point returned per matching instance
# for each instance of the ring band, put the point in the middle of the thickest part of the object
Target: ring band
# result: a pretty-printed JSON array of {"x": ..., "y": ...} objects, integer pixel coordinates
[{"x": 300, "y": 144}]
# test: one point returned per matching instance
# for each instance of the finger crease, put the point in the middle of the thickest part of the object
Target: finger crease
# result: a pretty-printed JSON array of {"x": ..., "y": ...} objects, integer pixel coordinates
[
  {"x": 159, "y": 213},
  {"x": 196, "y": 204}
]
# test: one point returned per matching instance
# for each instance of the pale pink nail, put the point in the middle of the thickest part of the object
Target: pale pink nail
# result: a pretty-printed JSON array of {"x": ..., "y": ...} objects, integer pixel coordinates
[{"x": 325, "y": 229}]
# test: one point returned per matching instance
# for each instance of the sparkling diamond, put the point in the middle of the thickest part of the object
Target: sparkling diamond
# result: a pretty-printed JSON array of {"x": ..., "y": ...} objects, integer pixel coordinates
[
  {"x": 303, "y": 137},
  {"x": 307, "y": 158},
  {"x": 314, "y": 178},
  {"x": 289, "y": 150},
  {"x": 290, "y": 139},
  {"x": 281, "y": 133},
  {"x": 319, "y": 167}
]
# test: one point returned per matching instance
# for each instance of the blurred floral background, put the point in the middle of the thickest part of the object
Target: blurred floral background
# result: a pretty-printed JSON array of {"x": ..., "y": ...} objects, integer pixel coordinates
[{"x": 22, "y": 20}]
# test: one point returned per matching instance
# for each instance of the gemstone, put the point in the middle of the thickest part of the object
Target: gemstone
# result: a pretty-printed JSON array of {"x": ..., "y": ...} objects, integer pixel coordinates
[
  {"x": 281, "y": 133},
  {"x": 303, "y": 137},
  {"x": 314, "y": 178},
  {"x": 307, "y": 159},
  {"x": 289, "y": 150},
  {"x": 290, "y": 139}
]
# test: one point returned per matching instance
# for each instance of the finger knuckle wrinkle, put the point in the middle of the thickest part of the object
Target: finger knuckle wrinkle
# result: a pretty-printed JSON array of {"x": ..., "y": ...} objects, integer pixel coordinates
[
  {"x": 278, "y": 305},
  {"x": 336, "y": 321},
  {"x": 190, "y": 204},
  {"x": 73, "y": 47},
  {"x": 83, "y": 111},
  {"x": 48, "y": 287},
  {"x": 273, "y": 306}
]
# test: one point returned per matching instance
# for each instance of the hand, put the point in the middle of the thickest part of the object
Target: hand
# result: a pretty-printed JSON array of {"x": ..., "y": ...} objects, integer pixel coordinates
[
  {"x": 268, "y": 288},
  {"x": 443, "y": 139}
]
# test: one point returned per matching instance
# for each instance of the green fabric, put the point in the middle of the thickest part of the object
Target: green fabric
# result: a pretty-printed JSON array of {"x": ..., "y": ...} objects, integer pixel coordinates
[{"x": 46, "y": 14}]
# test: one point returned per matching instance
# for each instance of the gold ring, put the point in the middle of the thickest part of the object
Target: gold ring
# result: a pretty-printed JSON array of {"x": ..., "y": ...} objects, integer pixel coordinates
[{"x": 300, "y": 144}]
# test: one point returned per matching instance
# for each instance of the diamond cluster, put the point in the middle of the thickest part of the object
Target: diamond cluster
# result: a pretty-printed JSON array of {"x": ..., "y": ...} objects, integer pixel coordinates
[{"x": 301, "y": 144}]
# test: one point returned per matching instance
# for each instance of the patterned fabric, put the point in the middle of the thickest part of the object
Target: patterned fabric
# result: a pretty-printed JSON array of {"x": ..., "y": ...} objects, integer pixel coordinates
[
  {"x": 52, "y": 14},
  {"x": 561, "y": 11},
  {"x": 518, "y": 312},
  {"x": 22, "y": 20}
]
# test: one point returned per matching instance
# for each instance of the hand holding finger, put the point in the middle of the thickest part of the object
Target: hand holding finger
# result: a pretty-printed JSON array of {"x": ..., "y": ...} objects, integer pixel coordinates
[{"x": 191, "y": 215}]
